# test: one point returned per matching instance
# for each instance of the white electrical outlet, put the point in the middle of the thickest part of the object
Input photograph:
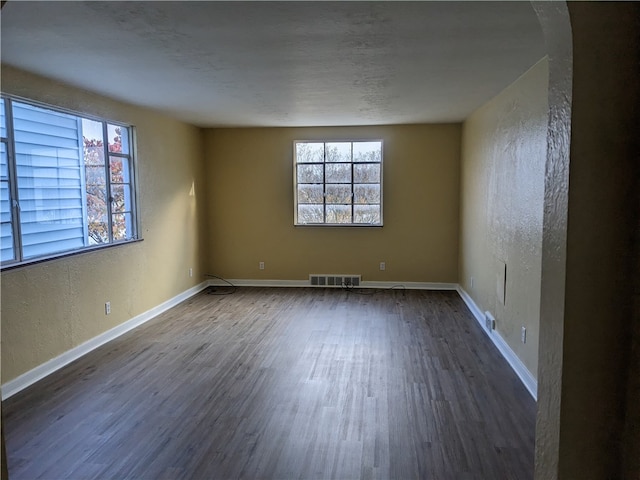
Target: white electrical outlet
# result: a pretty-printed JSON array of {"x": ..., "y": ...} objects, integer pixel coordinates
[
  {"x": 191, "y": 272},
  {"x": 489, "y": 321},
  {"x": 107, "y": 308},
  {"x": 261, "y": 265},
  {"x": 523, "y": 335},
  {"x": 383, "y": 266},
  {"x": 471, "y": 282}
]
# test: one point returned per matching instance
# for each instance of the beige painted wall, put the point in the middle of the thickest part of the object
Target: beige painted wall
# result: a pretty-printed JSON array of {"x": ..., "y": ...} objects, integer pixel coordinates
[
  {"x": 250, "y": 178},
  {"x": 502, "y": 193},
  {"x": 52, "y": 307}
]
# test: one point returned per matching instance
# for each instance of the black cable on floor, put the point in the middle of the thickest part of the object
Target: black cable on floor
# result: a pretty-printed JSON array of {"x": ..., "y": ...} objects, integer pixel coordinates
[{"x": 211, "y": 290}]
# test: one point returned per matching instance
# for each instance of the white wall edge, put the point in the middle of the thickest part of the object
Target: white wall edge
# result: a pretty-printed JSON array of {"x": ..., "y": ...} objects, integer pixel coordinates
[
  {"x": 32, "y": 376},
  {"x": 525, "y": 376},
  {"x": 305, "y": 283}
]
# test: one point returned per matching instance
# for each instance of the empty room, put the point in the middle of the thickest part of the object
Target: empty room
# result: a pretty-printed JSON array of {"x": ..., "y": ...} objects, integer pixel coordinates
[{"x": 320, "y": 240}]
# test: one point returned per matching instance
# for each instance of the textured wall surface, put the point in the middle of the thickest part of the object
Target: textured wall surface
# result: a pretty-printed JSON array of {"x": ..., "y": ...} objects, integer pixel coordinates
[
  {"x": 554, "y": 18},
  {"x": 503, "y": 165},
  {"x": 588, "y": 408},
  {"x": 602, "y": 223},
  {"x": 250, "y": 178},
  {"x": 52, "y": 307}
]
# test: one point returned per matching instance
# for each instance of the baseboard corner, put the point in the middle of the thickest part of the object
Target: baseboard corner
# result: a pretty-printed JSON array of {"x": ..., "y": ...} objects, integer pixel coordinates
[{"x": 525, "y": 376}]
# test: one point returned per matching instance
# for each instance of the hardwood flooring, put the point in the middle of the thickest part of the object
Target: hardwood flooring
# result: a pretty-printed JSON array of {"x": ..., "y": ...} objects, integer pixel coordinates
[{"x": 283, "y": 383}]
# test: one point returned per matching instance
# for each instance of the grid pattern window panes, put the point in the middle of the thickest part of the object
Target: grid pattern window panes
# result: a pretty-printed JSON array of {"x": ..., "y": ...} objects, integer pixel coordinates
[
  {"x": 67, "y": 182},
  {"x": 338, "y": 183}
]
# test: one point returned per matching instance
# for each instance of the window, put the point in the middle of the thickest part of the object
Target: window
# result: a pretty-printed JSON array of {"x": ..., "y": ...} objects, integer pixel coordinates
[
  {"x": 338, "y": 183},
  {"x": 66, "y": 182}
]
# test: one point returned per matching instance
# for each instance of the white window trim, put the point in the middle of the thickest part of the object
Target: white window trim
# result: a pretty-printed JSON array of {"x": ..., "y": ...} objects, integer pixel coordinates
[
  {"x": 135, "y": 238},
  {"x": 341, "y": 225}
]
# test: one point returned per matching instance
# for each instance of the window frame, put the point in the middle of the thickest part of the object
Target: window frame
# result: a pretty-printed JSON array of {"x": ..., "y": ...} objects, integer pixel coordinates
[
  {"x": 324, "y": 183},
  {"x": 9, "y": 140}
]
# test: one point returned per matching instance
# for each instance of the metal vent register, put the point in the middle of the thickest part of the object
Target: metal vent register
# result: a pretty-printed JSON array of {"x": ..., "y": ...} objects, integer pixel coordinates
[{"x": 323, "y": 280}]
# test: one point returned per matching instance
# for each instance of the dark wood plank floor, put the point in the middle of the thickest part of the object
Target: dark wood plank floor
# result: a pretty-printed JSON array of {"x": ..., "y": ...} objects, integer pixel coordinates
[{"x": 283, "y": 383}]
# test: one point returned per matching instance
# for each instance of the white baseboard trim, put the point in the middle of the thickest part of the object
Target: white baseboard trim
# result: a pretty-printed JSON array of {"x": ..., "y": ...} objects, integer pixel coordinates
[
  {"x": 32, "y": 376},
  {"x": 528, "y": 380},
  {"x": 244, "y": 282},
  {"x": 410, "y": 285},
  {"x": 214, "y": 282}
]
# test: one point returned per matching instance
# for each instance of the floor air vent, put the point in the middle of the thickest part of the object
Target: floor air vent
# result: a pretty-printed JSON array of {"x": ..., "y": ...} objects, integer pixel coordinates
[{"x": 318, "y": 280}]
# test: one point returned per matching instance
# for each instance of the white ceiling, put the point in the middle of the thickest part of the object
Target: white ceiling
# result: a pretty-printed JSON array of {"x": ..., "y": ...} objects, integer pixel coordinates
[{"x": 280, "y": 63}]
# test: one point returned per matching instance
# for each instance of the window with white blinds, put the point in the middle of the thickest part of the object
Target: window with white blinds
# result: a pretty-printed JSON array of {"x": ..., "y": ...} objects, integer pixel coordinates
[
  {"x": 6, "y": 231},
  {"x": 67, "y": 182}
]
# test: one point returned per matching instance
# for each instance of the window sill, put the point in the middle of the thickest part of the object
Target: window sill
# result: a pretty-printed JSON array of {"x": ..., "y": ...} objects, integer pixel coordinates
[
  {"x": 339, "y": 225},
  {"x": 35, "y": 261}
]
